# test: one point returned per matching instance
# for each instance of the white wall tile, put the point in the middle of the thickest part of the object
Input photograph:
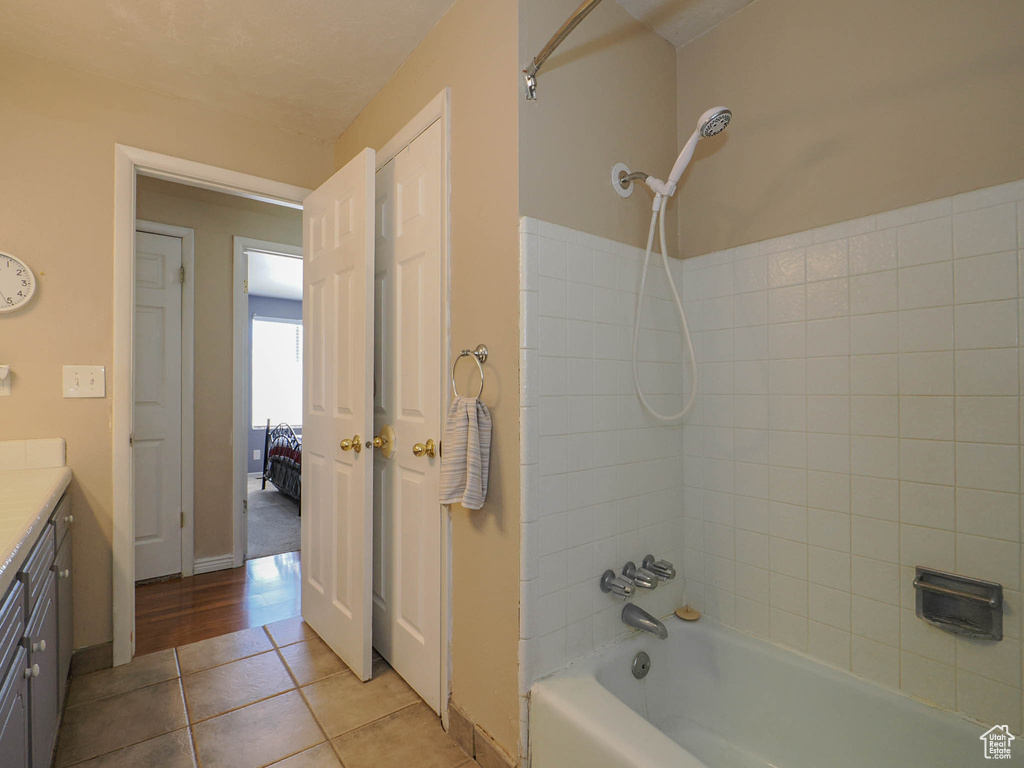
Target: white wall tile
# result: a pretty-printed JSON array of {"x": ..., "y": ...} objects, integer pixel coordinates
[
  {"x": 986, "y": 230},
  {"x": 925, "y": 242},
  {"x": 859, "y": 414},
  {"x": 873, "y": 252},
  {"x": 874, "y": 292},
  {"x": 986, "y": 278}
]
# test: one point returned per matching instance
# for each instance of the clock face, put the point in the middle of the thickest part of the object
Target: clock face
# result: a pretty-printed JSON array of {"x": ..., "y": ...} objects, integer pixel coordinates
[{"x": 17, "y": 283}]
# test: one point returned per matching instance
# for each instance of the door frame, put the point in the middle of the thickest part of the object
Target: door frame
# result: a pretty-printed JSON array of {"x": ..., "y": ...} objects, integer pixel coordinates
[
  {"x": 241, "y": 364},
  {"x": 439, "y": 109},
  {"x": 188, "y": 261},
  {"x": 130, "y": 162}
]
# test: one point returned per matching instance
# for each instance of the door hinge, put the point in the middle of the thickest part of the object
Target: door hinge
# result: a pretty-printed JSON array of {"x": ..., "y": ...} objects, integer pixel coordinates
[
  {"x": 131, "y": 439},
  {"x": 183, "y": 519},
  {"x": 245, "y": 286},
  {"x": 245, "y": 507},
  {"x": 181, "y": 275}
]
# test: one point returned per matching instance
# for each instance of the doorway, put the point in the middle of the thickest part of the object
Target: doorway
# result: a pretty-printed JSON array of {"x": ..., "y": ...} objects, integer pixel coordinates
[
  {"x": 130, "y": 163},
  {"x": 267, "y": 378}
]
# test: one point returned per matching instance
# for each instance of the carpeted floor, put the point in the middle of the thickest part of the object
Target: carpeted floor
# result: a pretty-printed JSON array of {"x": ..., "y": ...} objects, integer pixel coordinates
[{"x": 274, "y": 521}]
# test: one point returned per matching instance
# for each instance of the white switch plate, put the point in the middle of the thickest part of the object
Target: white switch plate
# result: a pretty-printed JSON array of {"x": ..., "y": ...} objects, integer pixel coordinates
[
  {"x": 85, "y": 381},
  {"x": 5, "y": 385},
  {"x": 256, "y": 455}
]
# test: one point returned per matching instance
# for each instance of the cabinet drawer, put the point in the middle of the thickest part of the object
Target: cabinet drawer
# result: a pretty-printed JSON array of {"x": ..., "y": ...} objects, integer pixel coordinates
[
  {"x": 37, "y": 567},
  {"x": 12, "y": 624},
  {"x": 61, "y": 519}
]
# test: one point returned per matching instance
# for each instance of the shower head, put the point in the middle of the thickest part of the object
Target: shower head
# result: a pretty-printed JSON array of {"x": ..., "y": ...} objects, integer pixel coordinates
[
  {"x": 711, "y": 123},
  {"x": 716, "y": 123}
]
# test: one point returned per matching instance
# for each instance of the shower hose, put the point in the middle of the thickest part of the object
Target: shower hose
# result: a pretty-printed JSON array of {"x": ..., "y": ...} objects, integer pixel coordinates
[{"x": 658, "y": 220}]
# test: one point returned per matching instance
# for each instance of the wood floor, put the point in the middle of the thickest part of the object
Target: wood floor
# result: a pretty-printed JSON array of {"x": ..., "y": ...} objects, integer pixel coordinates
[{"x": 182, "y": 611}]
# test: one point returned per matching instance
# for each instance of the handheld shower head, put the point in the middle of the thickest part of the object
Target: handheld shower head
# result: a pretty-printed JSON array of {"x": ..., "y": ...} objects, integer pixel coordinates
[
  {"x": 711, "y": 123},
  {"x": 714, "y": 121}
]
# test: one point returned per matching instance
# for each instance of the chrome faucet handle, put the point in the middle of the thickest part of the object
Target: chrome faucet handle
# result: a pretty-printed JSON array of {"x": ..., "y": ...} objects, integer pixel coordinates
[
  {"x": 663, "y": 569},
  {"x": 640, "y": 577},
  {"x": 616, "y": 586}
]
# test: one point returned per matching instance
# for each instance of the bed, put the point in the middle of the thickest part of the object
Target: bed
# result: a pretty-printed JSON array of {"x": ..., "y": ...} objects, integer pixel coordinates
[{"x": 282, "y": 460}]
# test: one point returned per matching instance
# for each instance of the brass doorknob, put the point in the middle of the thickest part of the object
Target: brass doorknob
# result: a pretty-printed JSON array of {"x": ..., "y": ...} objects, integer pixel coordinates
[
  {"x": 385, "y": 441},
  {"x": 355, "y": 444},
  {"x": 427, "y": 448}
]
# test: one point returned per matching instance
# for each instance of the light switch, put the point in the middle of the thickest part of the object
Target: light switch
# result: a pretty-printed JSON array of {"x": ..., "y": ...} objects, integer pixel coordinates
[
  {"x": 85, "y": 381},
  {"x": 5, "y": 381}
]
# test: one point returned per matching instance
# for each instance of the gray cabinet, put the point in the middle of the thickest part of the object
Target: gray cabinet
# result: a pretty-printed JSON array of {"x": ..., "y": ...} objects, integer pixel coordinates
[
  {"x": 42, "y": 685},
  {"x": 35, "y": 647},
  {"x": 64, "y": 574},
  {"x": 14, "y": 747}
]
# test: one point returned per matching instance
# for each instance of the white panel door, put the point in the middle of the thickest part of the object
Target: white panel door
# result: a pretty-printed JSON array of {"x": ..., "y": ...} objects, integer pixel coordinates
[
  {"x": 337, "y": 318},
  {"x": 409, "y": 363},
  {"x": 157, "y": 417}
]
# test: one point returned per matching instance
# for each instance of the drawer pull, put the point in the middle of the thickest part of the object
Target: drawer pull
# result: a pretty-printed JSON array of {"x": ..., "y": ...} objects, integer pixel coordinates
[
  {"x": 64, "y": 574},
  {"x": 32, "y": 671},
  {"x": 40, "y": 646},
  {"x": 69, "y": 518}
]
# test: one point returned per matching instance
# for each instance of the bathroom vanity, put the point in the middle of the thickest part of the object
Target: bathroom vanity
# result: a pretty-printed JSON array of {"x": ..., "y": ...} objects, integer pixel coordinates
[{"x": 35, "y": 599}]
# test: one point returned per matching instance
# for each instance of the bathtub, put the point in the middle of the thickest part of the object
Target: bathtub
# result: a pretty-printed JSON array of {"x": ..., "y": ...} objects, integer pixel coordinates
[{"x": 717, "y": 698}]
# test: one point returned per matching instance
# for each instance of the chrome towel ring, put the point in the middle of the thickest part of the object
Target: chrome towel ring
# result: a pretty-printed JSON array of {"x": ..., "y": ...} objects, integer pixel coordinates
[{"x": 480, "y": 356}]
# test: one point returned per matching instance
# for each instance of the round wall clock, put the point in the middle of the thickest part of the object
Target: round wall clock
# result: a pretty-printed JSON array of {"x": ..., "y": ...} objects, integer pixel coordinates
[{"x": 17, "y": 283}]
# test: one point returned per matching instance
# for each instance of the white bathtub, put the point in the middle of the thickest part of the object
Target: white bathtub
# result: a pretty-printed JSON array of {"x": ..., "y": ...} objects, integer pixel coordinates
[{"x": 715, "y": 697}]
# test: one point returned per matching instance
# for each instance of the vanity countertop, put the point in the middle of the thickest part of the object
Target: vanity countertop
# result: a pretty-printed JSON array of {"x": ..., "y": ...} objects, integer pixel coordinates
[{"x": 27, "y": 498}]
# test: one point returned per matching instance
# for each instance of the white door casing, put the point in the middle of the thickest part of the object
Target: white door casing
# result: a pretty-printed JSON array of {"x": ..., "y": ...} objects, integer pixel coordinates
[
  {"x": 337, "y": 317},
  {"x": 157, "y": 406},
  {"x": 409, "y": 370}
]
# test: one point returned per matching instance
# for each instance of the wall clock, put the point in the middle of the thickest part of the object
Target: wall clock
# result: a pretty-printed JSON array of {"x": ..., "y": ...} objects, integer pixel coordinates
[{"x": 17, "y": 283}]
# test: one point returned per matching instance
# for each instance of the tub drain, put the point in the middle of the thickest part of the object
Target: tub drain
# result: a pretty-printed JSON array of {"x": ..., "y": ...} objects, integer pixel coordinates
[{"x": 641, "y": 665}]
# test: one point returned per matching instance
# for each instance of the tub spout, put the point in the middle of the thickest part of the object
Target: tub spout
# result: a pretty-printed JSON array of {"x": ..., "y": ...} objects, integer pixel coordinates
[{"x": 635, "y": 616}]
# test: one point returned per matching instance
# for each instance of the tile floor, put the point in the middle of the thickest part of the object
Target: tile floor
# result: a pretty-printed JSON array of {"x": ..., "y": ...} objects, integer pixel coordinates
[{"x": 266, "y": 696}]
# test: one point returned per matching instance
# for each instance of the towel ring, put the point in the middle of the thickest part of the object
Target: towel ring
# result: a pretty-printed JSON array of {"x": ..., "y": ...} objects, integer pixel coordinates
[{"x": 480, "y": 356}]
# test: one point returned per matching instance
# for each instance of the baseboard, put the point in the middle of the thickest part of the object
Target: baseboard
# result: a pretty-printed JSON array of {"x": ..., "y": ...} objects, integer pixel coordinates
[
  {"x": 210, "y": 564},
  {"x": 474, "y": 740},
  {"x": 93, "y": 658}
]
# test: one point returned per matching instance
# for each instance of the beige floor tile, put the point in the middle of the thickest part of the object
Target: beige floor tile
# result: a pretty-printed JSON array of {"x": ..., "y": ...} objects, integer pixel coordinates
[
  {"x": 412, "y": 736},
  {"x": 142, "y": 671},
  {"x": 216, "y": 690},
  {"x": 321, "y": 756},
  {"x": 344, "y": 702},
  {"x": 312, "y": 660},
  {"x": 221, "y": 650},
  {"x": 257, "y": 735},
  {"x": 172, "y": 750},
  {"x": 98, "y": 727},
  {"x": 288, "y": 631}
]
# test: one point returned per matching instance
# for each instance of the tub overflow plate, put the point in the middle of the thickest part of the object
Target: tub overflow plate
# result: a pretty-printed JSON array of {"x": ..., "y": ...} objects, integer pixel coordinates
[{"x": 641, "y": 665}]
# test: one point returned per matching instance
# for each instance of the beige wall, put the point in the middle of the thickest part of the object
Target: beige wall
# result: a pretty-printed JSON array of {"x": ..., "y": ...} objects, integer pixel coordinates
[
  {"x": 472, "y": 50},
  {"x": 216, "y": 219},
  {"x": 846, "y": 109},
  {"x": 607, "y": 95},
  {"x": 59, "y": 127}
]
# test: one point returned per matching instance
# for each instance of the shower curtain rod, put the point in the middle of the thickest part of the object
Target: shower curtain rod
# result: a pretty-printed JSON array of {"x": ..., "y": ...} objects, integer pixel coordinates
[{"x": 530, "y": 73}]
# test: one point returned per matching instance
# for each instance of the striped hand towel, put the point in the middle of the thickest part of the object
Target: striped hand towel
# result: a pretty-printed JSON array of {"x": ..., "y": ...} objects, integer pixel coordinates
[{"x": 467, "y": 453}]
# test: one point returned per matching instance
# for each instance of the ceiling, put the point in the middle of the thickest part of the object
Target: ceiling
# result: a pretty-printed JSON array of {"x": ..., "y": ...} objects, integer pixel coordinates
[
  {"x": 309, "y": 66},
  {"x": 680, "y": 21},
  {"x": 274, "y": 275}
]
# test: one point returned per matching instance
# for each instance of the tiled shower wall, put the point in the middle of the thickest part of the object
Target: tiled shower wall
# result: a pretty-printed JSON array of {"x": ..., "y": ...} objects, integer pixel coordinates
[
  {"x": 861, "y": 414},
  {"x": 601, "y": 481}
]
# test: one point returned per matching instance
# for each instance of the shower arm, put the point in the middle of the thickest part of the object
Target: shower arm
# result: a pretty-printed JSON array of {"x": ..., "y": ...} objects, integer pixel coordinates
[{"x": 530, "y": 73}]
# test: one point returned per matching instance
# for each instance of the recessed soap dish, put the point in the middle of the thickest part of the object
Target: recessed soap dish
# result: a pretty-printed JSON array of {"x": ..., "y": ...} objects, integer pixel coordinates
[{"x": 959, "y": 604}]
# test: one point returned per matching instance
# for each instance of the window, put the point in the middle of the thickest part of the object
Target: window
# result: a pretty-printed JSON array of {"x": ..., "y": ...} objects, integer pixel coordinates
[{"x": 276, "y": 372}]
